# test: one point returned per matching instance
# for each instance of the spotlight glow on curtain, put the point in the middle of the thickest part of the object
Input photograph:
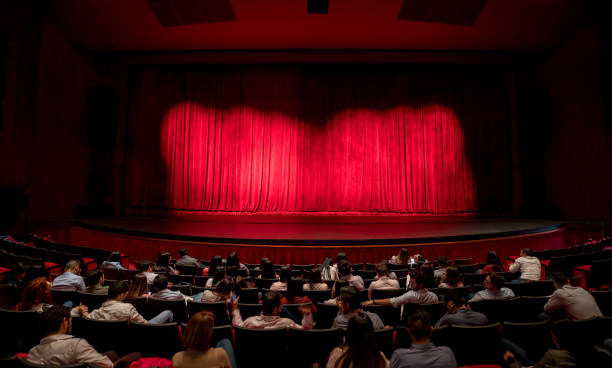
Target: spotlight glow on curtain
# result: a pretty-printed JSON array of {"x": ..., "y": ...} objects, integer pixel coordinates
[{"x": 295, "y": 141}]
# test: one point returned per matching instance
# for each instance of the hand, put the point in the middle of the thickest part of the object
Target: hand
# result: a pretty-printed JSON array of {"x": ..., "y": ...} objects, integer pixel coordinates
[
  {"x": 509, "y": 356},
  {"x": 234, "y": 304},
  {"x": 305, "y": 309},
  {"x": 366, "y": 303},
  {"x": 82, "y": 308}
]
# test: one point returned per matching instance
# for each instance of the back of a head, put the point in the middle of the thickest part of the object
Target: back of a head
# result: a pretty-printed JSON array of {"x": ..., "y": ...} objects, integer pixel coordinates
[
  {"x": 295, "y": 287},
  {"x": 52, "y": 318},
  {"x": 314, "y": 276},
  {"x": 144, "y": 265},
  {"x": 232, "y": 259},
  {"x": 344, "y": 268},
  {"x": 496, "y": 280},
  {"x": 270, "y": 301},
  {"x": 453, "y": 277},
  {"x": 493, "y": 258},
  {"x": 267, "y": 270},
  {"x": 138, "y": 286},
  {"x": 362, "y": 350},
  {"x": 350, "y": 296},
  {"x": 218, "y": 273},
  {"x": 338, "y": 285},
  {"x": 419, "y": 279},
  {"x": 403, "y": 256},
  {"x": 182, "y": 252},
  {"x": 455, "y": 297},
  {"x": 381, "y": 269},
  {"x": 419, "y": 324},
  {"x": 284, "y": 274},
  {"x": 528, "y": 252},
  {"x": 215, "y": 261},
  {"x": 117, "y": 288},
  {"x": 341, "y": 256},
  {"x": 442, "y": 261},
  {"x": 72, "y": 265},
  {"x": 35, "y": 292},
  {"x": 163, "y": 259},
  {"x": 93, "y": 277},
  {"x": 160, "y": 282},
  {"x": 559, "y": 279},
  {"x": 240, "y": 283},
  {"x": 114, "y": 257},
  {"x": 198, "y": 332},
  {"x": 225, "y": 286}
]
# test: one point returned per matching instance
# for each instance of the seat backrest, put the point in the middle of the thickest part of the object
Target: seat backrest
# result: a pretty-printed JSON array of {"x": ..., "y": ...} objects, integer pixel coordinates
[
  {"x": 389, "y": 315},
  {"x": 386, "y": 293},
  {"x": 249, "y": 295},
  {"x": 538, "y": 288},
  {"x": 534, "y": 337},
  {"x": 435, "y": 310},
  {"x": 92, "y": 301},
  {"x": 102, "y": 335},
  {"x": 178, "y": 308},
  {"x": 60, "y": 296},
  {"x": 20, "y": 331},
  {"x": 200, "y": 280},
  {"x": 318, "y": 295},
  {"x": 475, "y": 344},
  {"x": 384, "y": 340},
  {"x": 496, "y": 310},
  {"x": 261, "y": 347},
  {"x": 307, "y": 347},
  {"x": 219, "y": 309},
  {"x": 326, "y": 313},
  {"x": 186, "y": 270},
  {"x": 249, "y": 310},
  {"x": 366, "y": 274},
  {"x": 159, "y": 340},
  {"x": 474, "y": 278},
  {"x": 604, "y": 301},
  {"x": 528, "y": 309},
  {"x": 25, "y": 363},
  {"x": 112, "y": 273},
  {"x": 262, "y": 283},
  {"x": 294, "y": 309}
]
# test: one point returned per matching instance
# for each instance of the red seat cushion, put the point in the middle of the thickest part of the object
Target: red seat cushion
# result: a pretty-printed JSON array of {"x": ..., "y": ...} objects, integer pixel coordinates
[
  {"x": 585, "y": 268},
  {"x": 49, "y": 265},
  {"x": 4, "y": 270}
]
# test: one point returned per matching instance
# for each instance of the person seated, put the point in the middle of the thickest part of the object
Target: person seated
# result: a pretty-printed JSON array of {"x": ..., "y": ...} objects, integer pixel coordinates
[
  {"x": 442, "y": 265},
  {"x": 197, "y": 339},
  {"x": 418, "y": 295},
  {"x": 160, "y": 285},
  {"x": 162, "y": 264},
  {"x": 114, "y": 261},
  {"x": 494, "y": 289},
  {"x": 233, "y": 261},
  {"x": 382, "y": 280},
  {"x": 348, "y": 306},
  {"x": 186, "y": 260},
  {"x": 95, "y": 282},
  {"x": 17, "y": 276},
  {"x": 59, "y": 347},
  {"x": 71, "y": 278},
  {"x": 429, "y": 281},
  {"x": 267, "y": 270},
  {"x": 138, "y": 288},
  {"x": 493, "y": 263},
  {"x": 270, "y": 315},
  {"x": 338, "y": 285},
  {"x": 451, "y": 278},
  {"x": 146, "y": 268},
  {"x": 116, "y": 309},
  {"x": 422, "y": 353},
  {"x": 284, "y": 276},
  {"x": 329, "y": 272},
  {"x": 36, "y": 296},
  {"x": 222, "y": 292},
  {"x": 215, "y": 262},
  {"x": 344, "y": 270},
  {"x": 218, "y": 274},
  {"x": 295, "y": 293},
  {"x": 314, "y": 281},
  {"x": 458, "y": 312},
  {"x": 241, "y": 283},
  {"x": 360, "y": 348},
  {"x": 528, "y": 265},
  {"x": 574, "y": 301},
  {"x": 402, "y": 258}
]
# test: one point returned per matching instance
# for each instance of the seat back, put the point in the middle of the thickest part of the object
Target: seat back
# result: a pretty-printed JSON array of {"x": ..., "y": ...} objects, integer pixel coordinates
[
  {"x": 294, "y": 309},
  {"x": 534, "y": 337},
  {"x": 262, "y": 283},
  {"x": 249, "y": 295},
  {"x": 474, "y": 278},
  {"x": 61, "y": 296},
  {"x": 496, "y": 310},
  {"x": 475, "y": 344},
  {"x": 307, "y": 347},
  {"x": 386, "y": 293},
  {"x": 366, "y": 274},
  {"x": 249, "y": 310},
  {"x": 435, "y": 310},
  {"x": 389, "y": 315},
  {"x": 92, "y": 301},
  {"x": 25, "y": 363},
  {"x": 184, "y": 289},
  {"x": 20, "y": 331},
  {"x": 219, "y": 309},
  {"x": 538, "y": 288},
  {"x": 326, "y": 313},
  {"x": 604, "y": 301},
  {"x": 186, "y": 270},
  {"x": 102, "y": 335},
  {"x": 161, "y": 340},
  {"x": 112, "y": 273},
  {"x": 177, "y": 307},
  {"x": 253, "y": 347},
  {"x": 384, "y": 340},
  {"x": 318, "y": 295},
  {"x": 528, "y": 309}
]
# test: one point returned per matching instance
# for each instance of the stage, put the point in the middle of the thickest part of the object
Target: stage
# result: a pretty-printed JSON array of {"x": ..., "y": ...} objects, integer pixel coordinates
[{"x": 308, "y": 239}]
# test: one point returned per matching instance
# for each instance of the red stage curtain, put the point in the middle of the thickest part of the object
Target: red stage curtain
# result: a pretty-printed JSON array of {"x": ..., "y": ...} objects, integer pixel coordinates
[{"x": 318, "y": 139}]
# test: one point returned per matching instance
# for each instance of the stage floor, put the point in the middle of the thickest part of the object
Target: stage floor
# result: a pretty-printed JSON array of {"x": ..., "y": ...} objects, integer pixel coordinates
[{"x": 314, "y": 230}]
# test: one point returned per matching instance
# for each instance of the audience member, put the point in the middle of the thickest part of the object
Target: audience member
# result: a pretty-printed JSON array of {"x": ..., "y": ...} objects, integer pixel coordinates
[
  {"x": 360, "y": 348},
  {"x": 574, "y": 301},
  {"x": 458, "y": 312},
  {"x": 528, "y": 265},
  {"x": 114, "y": 261},
  {"x": 284, "y": 275},
  {"x": 139, "y": 288},
  {"x": 429, "y": 281},
  {"x": 402, "y": 258},
  {"x": 18, "y": 276},
  {"x": 418, "y": 295},
  {"x": 233, "y": 261},
  {"x": 94, "y": 280},
  {"x": 162, "y": 265},
  {"x": 442, "y": 265},
  {"x": 197, "y": 339},
  {"x": 451, "y": 278},
  {"x": 314, "y": 281},
  {"x": 146, "y": 268},
  {"x": 344, "y": 269},
  {"x": 59, "y": 347},
  {"x": 116, "y": 309},
  {"x": 348, "y": 306},
  {"x": 493, "y": 263},
  {"x": 423, "y": 353},
  {"x": 186, "y": 260},
  {"x": 218, "y": 274},
  {"x": 215, "y": 261},
  {"x": 160, "y": 284},
  {"x": 36, "y": 296},
  {"x": 382, "y": 280},
  {"x": 328, "y": 271},
  {"x": 71, "y": 278},
  {"x": 241, "y": 283},
  {"x": 222, "y": 292},
  {"x": 295, "y": 293},
  {"x": 338, "y": 285},
  {"x": 494, "y": 289},
  {"x": 270, "y": 315},
  {"x": 267, "y": 270}
]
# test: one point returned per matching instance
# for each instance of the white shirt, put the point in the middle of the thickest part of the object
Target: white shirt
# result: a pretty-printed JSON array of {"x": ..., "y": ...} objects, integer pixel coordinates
[{"x": 529, "y": 266}]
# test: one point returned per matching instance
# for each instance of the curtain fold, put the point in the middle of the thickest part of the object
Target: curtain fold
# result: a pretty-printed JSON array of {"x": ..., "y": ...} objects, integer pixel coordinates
[{"x": 317, "y": 139}]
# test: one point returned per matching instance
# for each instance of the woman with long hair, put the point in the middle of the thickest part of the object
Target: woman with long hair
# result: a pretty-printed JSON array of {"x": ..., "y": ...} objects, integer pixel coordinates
[
  {"x": 36, "y": 295},
  {"x": 314, "y": 281},
  {"x": 217, "y": 275},
  {"x": 360, "y": 349},
  {"x": 267, "y": 270},
  {"x": 402, "y": 258},
  {"x": 493, "y": 263},
  {"x": 162, "y": 264},
  {"x": 284, "y": 275},
  {"x": 223, "y": 291},
  {"x": 197, "y": 339},
  {"x": 451, "y": 278},
  {"x": 138, "y": 288}
]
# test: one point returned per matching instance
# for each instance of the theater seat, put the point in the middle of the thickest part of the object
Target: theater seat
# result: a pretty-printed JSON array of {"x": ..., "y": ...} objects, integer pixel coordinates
[
  {"x": 261, "y": 347},
  {"x": 326, "y": 313},
  {"x": 307, "y": 347},
  {"x": 249, "y": 310},
  {"x": 102, "y": 335},
  {"x": 92, "y": 301},
  {"x": 219, "y": 309},
  {"x": 20, "y": 331},
  {"x": 249, "y": 295},
  {"x": 318, "y": 295},
  {"x": 475, "y": 344},
  {"x": 161, "y": 340},
  {"x": 384, "y": 340},
  {"x": 534, "y": 337},
  {"x": 25, "y": 363}
]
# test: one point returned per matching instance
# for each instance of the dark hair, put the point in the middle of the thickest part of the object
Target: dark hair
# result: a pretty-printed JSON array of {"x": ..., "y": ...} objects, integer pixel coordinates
[
  {"x": 403, "y": 257},
  {"x": 341, "y": 256},
  {"x": 121, "y": 286},
  {"x": 442, "y": 261},
  {"x": 496, "y": 280},
  {"x": 144, "y": 265},
  {"x": 225, "y": 286},
  {"x": 295, "y": 287},
  {"x": 93, "y": 277},
  {"x": 314, "y": 276},
  {"x": 361, "y": 348},
  {"x": 559, "y": 279},
  {"x": 239, "y": 284},
  {"x": 429, "y": 280},
  {"x": 344, "y": 268},
  {"x": 218, "y": 274},
  {"x": 419, "y": 279},
  {"x": 338, "y": 285},
  {"x": 182, "y": 251},
  {"x": 419, "y": 324},
  {"x": 231, "y": 270},
  {"x": 114, "y": 257},
  {"x": 232, "y": 259},
  {"x": 267, "y": 269},
  {"x": 453, "y": 278},
  {"x": 527, "y": 251},
  {"x": 350, "y": 296},
  {"x": 493, "y": 258},
  {"x": 138, "y": 286},
  {"x": 215, "y": 261},
  {"x": 163, "y": 259},
  {"x": 52, "y": 318},
  {"x": 455, "y": 297},
  {"x": 270, "y": 301},
  {"x": 382, "y": 269},
  {"x": 284, "y": 274},
  {"x": 160, "y": 282}
]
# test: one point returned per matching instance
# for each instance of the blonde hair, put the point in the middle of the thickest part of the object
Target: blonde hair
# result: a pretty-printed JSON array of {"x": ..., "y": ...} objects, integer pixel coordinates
[{"x": 199, "y": 330}]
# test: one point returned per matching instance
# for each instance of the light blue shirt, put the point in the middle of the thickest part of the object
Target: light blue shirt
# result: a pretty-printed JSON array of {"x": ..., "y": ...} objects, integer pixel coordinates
[
  {"x": 68, "y": 279},
  {"x": 116, "y": 265}
]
